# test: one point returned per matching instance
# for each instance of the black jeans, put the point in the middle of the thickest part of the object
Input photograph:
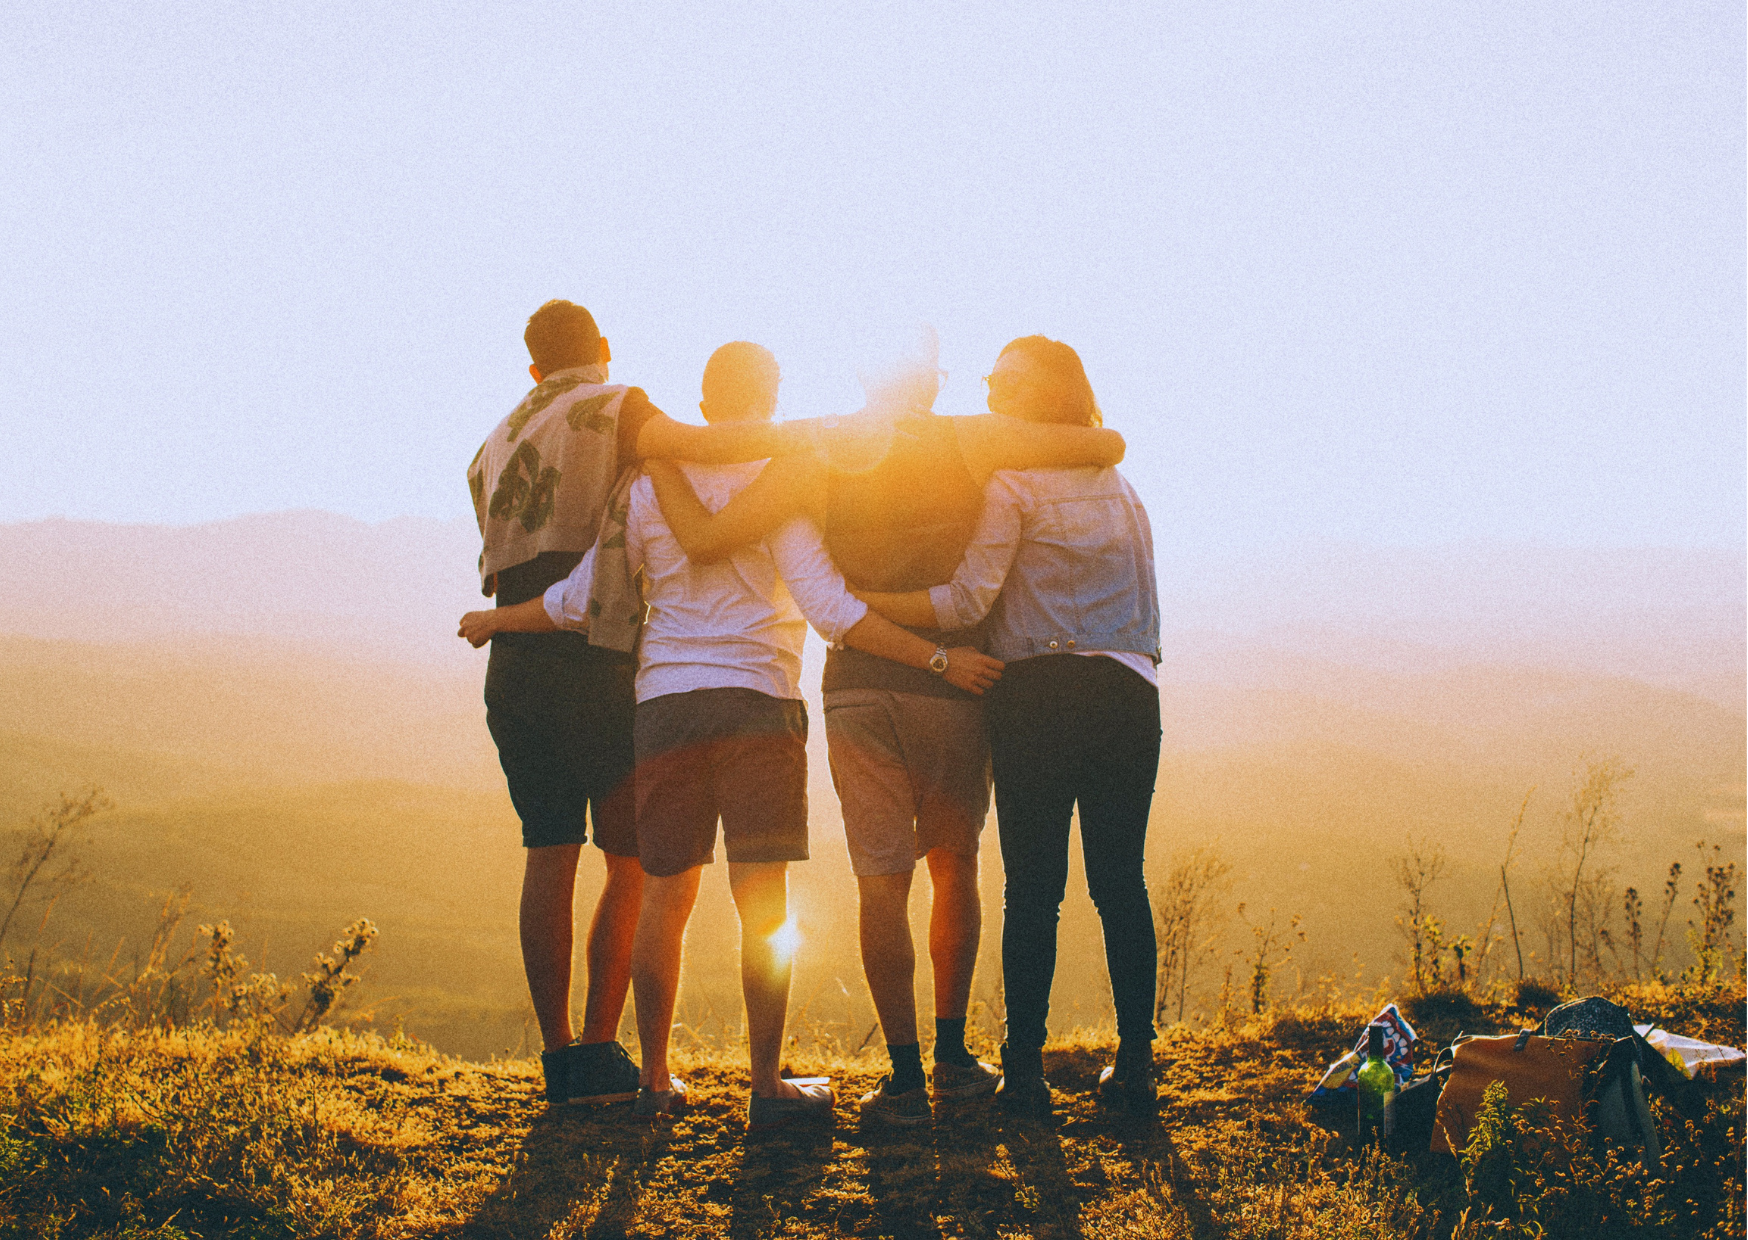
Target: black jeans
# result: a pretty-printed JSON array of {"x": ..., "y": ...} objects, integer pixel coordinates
[{"x": 1064, "y": 729}]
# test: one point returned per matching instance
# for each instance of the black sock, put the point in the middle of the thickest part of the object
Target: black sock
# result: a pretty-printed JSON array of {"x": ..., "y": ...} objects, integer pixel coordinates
[
  {"x": 950, "y": 1042},
  {"x": 907, "y": 1068}
]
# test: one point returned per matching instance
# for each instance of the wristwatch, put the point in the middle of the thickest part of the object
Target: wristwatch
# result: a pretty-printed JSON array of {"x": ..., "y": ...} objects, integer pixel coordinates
[{"x": 938, "y": 662}]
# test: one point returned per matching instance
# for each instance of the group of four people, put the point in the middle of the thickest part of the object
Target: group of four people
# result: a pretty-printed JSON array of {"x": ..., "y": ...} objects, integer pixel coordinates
[{"x": 987, "y": 588}]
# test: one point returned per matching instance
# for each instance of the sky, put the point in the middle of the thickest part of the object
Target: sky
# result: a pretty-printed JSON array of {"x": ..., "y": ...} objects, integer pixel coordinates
[{"x": 1401, "y": 275}]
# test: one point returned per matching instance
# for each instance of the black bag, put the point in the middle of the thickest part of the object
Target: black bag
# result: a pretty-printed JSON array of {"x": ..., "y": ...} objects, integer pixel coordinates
[
  {"x": 1596, "y": 1017},
  {"x": 1589, "y": 1017},
  {"x": 1414, "y": 1107}
]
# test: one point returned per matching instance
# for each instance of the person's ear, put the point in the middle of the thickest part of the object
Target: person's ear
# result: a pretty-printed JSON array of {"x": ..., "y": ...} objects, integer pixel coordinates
[
  {"x": 535, "y": 371},
  {"x": 606, "y": 353}
]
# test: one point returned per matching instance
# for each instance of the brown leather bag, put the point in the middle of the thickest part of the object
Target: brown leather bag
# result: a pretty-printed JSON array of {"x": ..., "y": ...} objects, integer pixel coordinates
[{"x": 1531, "y": 1066}]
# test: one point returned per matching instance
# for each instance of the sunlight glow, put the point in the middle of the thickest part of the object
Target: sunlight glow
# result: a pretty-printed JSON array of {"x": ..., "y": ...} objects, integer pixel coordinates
[{"x": 785, "y": 940}]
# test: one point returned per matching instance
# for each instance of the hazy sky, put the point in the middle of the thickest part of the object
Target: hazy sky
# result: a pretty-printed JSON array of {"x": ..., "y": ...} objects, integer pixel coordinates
[{"x": 1390, "y": 273}]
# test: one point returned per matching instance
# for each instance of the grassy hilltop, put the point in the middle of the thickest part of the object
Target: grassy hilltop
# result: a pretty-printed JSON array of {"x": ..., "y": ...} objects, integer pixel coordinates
[
  {"x": 293, "y": 738},
  {"x": 200, "y": 1132}
]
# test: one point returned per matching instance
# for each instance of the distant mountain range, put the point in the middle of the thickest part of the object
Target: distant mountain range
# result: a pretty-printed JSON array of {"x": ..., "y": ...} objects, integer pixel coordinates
[
  {"x": 282, "y": 711},
  {"x": 1674, "y": 618}
]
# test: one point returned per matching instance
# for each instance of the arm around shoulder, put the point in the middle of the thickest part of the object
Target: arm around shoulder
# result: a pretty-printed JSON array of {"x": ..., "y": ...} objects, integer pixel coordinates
[
  {"x": 724, "y": 443},
  {"x": 778, "y": 494},
  {"x": 992, "y": 441}
]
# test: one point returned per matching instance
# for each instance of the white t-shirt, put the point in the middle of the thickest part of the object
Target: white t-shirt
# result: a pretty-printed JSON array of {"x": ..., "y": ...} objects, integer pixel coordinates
[
  {"x": 1140, "y": 664},
  {"x": 738, "y": 623}
]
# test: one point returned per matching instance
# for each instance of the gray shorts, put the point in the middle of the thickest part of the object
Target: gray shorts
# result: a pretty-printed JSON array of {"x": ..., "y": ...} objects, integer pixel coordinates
[{"x": 912, "y": 774}]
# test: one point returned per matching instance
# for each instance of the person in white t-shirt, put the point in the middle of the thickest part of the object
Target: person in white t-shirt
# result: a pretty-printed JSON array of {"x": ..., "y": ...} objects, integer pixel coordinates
[{"x": 720, "y": 733}]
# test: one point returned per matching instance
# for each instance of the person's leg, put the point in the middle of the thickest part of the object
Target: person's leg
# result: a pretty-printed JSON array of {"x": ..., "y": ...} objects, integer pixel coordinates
[
  {"x": 529, "y": 684},
  {"x": 888, "y": 956},
  {"x": 608, "y": 756},
  {"x": 759, "y": 772},
  {"x": 1033, "y": 828},
  {"x": 955, "y": 929},
  {"x": 761, "y": 897},
  {"x": 675, "y": 821},
  {"x": 875, "y": 789},
  {"x": 611, "y": 934},
  {"x": 655, "y": 965},
  {"x": 1034, "y": 780},
  {"x": 548, "y": 887},
  {"x": 1121, "y": 712},
  {"x": 946, "y": 752}
]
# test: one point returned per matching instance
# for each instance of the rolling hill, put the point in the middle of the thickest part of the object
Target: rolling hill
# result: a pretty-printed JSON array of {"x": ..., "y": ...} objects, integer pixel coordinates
[{"x": 280, "y": 710}]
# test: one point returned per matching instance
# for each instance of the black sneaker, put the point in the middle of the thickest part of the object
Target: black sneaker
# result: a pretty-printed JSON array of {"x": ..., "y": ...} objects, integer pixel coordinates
[
  {"x": 591, "y": 1074},
  {"x": 1024, "y": 1095},
  {"x": 1128, "y": 1085},
  {"x": 1023, "y": 1089}
]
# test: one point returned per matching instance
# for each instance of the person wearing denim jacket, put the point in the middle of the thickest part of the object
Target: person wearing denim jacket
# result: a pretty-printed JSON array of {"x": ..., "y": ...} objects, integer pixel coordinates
[{"x": 1062, "y": 564}]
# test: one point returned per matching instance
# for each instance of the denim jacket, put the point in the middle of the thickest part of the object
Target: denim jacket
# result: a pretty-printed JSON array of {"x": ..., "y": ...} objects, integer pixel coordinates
[{"x": 1062, "y": 561}]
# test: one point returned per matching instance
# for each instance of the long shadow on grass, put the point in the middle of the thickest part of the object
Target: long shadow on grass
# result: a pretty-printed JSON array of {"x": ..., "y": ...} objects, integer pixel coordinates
[
  {"x": 1044, "y": 1191},
  {"x": 587, "y": 1168},
  {"x": 945, "y": 1170},
  {"x": 1164, "y": 1173},
  {"x": 778, "y": 1172}
]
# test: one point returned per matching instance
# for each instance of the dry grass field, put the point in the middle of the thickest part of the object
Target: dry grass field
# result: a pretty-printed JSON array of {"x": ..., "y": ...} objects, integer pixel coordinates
[{"x": 198, "y": 1132}]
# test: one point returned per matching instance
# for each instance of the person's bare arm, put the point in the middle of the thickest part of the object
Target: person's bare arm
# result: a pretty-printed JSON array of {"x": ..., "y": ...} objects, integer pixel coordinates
[
  {"x": 913, "y": 607},
  {"x": 781, "y": 491},
  {"x": 478, "y": 627},
  {"x": 992, "y": 441},
  {"x": 967, "y": 667},
  {"x": 725, "y": 443},
  {"x": 819, "y": 590}
]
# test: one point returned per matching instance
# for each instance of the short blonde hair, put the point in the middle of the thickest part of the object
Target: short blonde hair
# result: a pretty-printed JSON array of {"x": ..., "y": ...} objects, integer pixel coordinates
[{"x": 741, "y": 376}]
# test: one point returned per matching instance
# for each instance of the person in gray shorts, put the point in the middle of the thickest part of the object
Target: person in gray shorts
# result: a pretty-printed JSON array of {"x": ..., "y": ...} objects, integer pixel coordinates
[
  {"x": 912, "y": 773},
  {"x": 720, "y": 731},
  {"x": 897, "y": 494}
]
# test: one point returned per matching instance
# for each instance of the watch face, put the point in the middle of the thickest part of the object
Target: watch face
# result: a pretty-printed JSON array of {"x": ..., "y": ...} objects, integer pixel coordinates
[{"x": 938, "y": 664}]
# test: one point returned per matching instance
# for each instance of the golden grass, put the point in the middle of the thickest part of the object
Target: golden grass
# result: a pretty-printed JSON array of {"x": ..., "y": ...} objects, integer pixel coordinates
[{"x": 204, "y": 1133}]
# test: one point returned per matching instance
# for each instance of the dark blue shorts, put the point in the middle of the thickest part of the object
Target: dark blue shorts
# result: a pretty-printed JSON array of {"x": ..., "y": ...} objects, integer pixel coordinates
[{"x": 560, "y": 711}]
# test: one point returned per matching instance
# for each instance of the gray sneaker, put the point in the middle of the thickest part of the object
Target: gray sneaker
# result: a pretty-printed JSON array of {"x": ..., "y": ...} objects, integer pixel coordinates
[
  {"x": 816, "y": 1102},
  {"x": 653, "y": 1103},
  {"x": 953, "y": 1080},
  {"x": 592, "y": 1074},
  {"x": 907, "y": 1110}
]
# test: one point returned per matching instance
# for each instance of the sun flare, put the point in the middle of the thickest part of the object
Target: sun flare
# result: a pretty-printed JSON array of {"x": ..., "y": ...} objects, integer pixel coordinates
[{"x": 785, "y": 940}]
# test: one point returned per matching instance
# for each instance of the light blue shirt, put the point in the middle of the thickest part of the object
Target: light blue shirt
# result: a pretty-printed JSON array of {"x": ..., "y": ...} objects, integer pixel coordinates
[{"x": 1062, "y": 563}]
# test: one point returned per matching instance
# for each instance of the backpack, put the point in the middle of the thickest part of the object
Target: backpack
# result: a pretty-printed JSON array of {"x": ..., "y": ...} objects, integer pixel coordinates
[{"x": 1596, "y": 1077}]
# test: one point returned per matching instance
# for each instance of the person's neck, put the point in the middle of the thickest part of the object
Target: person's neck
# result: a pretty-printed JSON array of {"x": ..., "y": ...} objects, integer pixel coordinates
[{"x": 577, "y": 368}]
